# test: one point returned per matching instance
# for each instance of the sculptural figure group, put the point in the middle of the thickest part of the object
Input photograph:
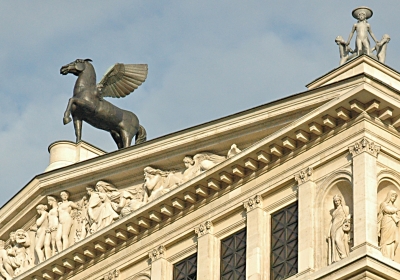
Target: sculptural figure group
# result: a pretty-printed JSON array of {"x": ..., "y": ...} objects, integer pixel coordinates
[
  {"x": 158, "y": 182},
  {"x": 61, "y": 222},
  {"x": 362, "y": 44},
  {"x": 340, "y": 227}
]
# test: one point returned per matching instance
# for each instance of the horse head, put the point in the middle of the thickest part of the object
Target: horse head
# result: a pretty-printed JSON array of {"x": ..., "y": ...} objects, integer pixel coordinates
[{"x": 75, "y": 67}]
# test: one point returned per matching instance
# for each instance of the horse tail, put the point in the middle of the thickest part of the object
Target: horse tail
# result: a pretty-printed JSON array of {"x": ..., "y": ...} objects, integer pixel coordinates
[{"x": 140, "y": 135}]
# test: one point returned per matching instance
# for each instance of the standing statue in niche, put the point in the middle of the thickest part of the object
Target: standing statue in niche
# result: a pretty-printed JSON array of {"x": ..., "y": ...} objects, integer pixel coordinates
[
  {"x": 362, "y": 43},
  {"x": 339, "y": 231},
  {"x": 388, "y": 225},
  {"x": 87, "y": 103}
]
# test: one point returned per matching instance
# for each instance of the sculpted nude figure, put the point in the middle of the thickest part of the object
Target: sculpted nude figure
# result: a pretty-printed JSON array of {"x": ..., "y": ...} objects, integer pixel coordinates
[
  {"x": 42, "y": 224},
  {"x": 362, "y": 28},
  {"x": 64, "y": 216},
  {"x": 51, "y": 245}
]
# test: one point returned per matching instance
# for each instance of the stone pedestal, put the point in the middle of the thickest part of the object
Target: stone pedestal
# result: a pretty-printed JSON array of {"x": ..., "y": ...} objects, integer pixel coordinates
[
  {"x": 63, "y": 153},
  {"x": 208, "y": 253}
]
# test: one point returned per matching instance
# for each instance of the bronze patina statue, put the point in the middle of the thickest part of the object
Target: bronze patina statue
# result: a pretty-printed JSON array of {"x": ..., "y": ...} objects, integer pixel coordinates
[{"x": 87, "y": 103}]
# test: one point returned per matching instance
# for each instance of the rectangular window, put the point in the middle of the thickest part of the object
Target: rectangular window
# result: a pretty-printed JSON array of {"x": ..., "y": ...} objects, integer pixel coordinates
[
  {"x": 186, "y": 269},
  {"x": 233, "y": 256},
  {"x": 284, "y": 242}
]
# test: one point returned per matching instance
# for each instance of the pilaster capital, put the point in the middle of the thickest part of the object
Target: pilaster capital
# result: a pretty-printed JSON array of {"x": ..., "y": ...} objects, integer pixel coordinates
[
  {"x": 112, "y": 275},
  {"x": 204, "y": 228},
  {"x": 304, "y": 175},
  {"x": 253, "y": 203},
  {"x": 364, "y": 145},
  {"x": 157, "y": 253}
]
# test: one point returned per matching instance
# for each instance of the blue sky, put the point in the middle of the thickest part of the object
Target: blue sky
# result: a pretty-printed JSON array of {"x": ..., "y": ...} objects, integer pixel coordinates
[{"x": 207, "y": 59}]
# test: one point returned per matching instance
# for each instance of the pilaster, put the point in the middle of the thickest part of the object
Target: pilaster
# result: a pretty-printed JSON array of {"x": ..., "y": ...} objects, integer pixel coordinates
[
  {"x": 208, "y": 252},
  {"x": 306, "y": 216},
  {"x": 364, "y": 153},
  {"x": 256, "y": 232},
  {"x": 161, "y": 269}
]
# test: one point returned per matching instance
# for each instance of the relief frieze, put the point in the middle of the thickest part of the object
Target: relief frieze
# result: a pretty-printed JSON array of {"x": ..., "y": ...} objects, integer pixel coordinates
[{"x": 61, "y": 222}]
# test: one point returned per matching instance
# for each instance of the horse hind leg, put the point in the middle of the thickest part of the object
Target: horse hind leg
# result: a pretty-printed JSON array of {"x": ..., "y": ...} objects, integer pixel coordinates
[
  {"x": 126, "y": 139},
  {"x": 117, "y": 138}
]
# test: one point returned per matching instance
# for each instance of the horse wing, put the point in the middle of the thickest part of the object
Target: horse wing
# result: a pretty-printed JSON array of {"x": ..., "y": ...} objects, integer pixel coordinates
[{"x": 122, "y": 79}]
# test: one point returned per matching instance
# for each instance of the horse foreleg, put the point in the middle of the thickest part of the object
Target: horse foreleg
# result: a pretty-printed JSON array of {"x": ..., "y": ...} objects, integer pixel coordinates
[
  {"x": 78, "y": 129},
  {"x": 67, "y": 112}
]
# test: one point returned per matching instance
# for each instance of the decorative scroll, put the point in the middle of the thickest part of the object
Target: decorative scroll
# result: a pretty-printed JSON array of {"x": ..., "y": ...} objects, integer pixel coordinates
[
  {"x": 204, "y": 228},
  {"x": 364, "y": 145},
  {"x": 304, "y": 175},
  {"x": 157, "y": 253},
  {"x": 252, "y": 203}
]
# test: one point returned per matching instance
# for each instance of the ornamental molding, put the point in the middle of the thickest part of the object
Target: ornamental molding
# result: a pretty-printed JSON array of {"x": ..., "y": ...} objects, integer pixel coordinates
[
  {"x": 157, "y": 253},
  {"x": 112, "y": 275},
  {"x": 304, "y": 175},
  {"x": 253, "y": 203},
  {"x": 364, "y": 145},
  {"x": 204, "y": 228}
]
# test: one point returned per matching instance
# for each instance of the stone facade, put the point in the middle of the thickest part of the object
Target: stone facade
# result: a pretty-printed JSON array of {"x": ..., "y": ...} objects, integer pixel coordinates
[{"x": 331, "y": 153}]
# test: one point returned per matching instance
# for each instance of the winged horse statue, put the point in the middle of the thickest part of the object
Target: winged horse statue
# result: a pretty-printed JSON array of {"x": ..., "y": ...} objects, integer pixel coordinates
[{"x": 87, "y": 103}]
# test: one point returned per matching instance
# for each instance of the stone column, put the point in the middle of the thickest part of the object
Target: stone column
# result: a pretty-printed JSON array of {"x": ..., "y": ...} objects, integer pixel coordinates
[
  {"x": 208, "y": 252},
  {"x": 161, "y": 269},
  {"x": 306, "y": 216},
  {"x": 365, "y": 197},
  {"x": 256, "y": 233}
]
